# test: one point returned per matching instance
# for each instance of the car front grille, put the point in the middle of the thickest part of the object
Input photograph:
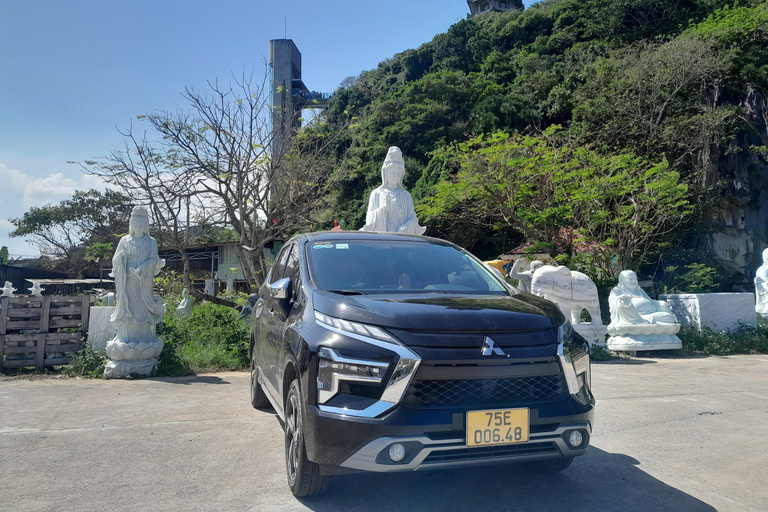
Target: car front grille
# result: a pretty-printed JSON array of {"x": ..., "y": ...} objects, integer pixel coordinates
[
  {"x": 490, "y": 452},
  {"x": 477, "y": 392}
]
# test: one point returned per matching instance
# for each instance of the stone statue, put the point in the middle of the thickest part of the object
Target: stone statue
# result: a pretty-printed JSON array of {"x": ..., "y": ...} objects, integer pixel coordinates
[
  {"x": 8, "y": 289},
  {"x": 135, "y": 264},
  {"x": 390, "y": 206},
  {"x": 35, "y": 290},
  {"x": 184, "y": 308},
  {"x": 639, "y": 322},
  {"x": 761, "y": 286},
  {"x": 572, "y": 291},
  {"x": 524, "y": 277}
]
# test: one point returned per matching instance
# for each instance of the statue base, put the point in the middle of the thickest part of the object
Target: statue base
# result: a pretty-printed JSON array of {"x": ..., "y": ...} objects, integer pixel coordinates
[
  {"x": 639, "y": 342},
  {"x": 594, "y": 333},
  {"x": 124, "y": 369}
]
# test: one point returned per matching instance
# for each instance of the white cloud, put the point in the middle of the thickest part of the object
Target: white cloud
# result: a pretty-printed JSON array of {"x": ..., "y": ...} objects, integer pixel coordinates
[{"x": 19, "y": 192}]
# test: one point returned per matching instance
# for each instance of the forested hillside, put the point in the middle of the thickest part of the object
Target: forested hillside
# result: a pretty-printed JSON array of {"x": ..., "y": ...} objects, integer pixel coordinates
[{"x": 634, "y": 127}]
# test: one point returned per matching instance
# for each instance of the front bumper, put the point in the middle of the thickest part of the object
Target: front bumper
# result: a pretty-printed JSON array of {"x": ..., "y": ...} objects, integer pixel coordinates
[
  {"x": 436, "y": 438},
  {"x": 428, "y": 453}
]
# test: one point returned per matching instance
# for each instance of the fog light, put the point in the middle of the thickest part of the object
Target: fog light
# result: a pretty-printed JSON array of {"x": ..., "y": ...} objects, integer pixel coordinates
[
  {"x": 575, "y": 439},
  {"x": 396, "y": 452}
]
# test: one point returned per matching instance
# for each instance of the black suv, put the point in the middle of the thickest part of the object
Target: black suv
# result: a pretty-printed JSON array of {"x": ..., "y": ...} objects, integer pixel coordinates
[{"x": 387, "y": 352}]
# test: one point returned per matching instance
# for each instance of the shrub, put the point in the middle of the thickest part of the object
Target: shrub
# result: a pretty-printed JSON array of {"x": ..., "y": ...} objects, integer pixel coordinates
[
  {"x": 211, "y": 339},
  {"x": 87, "y": 362},
  {"x": 599, "y": 353},
  {"x": 747, "y": 340}
]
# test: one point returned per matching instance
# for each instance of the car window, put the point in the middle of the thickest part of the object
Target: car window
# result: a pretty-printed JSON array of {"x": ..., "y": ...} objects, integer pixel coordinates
[
  {"x": 371, "y": 266},
  {"x": 278, "y": 269},
  {"x": 292, "y": 265}
]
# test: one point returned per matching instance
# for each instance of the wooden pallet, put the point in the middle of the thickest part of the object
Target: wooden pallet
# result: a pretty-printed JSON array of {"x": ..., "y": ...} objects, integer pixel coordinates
[{"x": 41, "y": 331}]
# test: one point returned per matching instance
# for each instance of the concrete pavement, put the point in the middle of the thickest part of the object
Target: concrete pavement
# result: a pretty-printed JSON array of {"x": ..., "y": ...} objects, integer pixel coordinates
[{"x": 670, "y": 434}]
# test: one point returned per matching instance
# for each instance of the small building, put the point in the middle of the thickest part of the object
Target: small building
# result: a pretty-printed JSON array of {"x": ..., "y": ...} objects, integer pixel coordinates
[
  {"x": 19, "y": 276},
  {"x": 217, "y": 262},
  {"x": 68, "y": 287}
]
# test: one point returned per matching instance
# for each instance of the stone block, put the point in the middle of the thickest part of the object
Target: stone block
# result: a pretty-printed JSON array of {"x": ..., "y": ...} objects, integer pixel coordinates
[
  {"x": 594, "y": 333},
  {"x": 100, "y": 329},
  {"x": 718, "y": 311}
]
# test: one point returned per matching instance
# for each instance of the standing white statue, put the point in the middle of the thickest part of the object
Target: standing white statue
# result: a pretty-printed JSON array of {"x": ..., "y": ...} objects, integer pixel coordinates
[
  {"x": 135, "y": 264},
  {"x": 8, "y": 289},
  {"x": 184, "y": 308},
  {"x": 761, "y": 286},
  {"x": 35, "y": 290},
  {"x": 639, "y": 322},
  {"x": 524, "y": 277},
  {"x": 390, "y": 206}
]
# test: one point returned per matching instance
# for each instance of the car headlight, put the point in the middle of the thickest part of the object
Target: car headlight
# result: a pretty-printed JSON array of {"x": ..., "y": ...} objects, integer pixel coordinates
[
  {"x": 333, "y": 368},
  {"x": 574, "y": 359}
]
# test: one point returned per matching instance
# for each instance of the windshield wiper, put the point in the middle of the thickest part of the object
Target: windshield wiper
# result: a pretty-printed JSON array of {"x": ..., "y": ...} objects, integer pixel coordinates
[{"x": 346, "y": 292}]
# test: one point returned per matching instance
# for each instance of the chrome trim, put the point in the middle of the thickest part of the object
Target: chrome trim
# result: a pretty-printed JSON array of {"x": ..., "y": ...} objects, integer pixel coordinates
[
  {"x": 272, "y": 400},
  {"x": 370, "y": 412},
  {"x": 365, "y": 458},
  {"x": 568, "y": 371},
  {"x": 323, "y": 395}
]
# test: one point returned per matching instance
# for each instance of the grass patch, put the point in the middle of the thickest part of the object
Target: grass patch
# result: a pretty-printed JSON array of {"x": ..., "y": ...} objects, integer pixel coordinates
[{"x": 599, "y": 353}]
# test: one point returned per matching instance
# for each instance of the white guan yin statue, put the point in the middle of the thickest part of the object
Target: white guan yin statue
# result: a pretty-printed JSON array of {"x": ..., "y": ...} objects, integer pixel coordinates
[
  {"x": 761, "y": 287},
  {"x": 639, "y": 322},
  {"x": 390, "y": 206},
  {"x": 135, "y": 264}
]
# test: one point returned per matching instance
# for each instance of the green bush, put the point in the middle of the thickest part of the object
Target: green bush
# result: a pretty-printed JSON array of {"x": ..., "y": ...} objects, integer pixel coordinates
[
  {"x": 599, "y": 353},
  {"x": 87, "y": 363},
  {"x": 747, "y": 340},
  {"x": 211, "y": 339}
]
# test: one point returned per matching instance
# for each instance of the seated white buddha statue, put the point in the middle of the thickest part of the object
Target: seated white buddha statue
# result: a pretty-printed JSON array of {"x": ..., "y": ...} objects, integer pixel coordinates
[
  {"x": 390, "y": 206},
  {"x": 637, "y": 321}
]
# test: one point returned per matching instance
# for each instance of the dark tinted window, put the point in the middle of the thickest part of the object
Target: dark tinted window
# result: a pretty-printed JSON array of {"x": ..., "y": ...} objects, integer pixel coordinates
[
  {"x": 279, "y": 267},
  {"x": 381, "y": 267}
]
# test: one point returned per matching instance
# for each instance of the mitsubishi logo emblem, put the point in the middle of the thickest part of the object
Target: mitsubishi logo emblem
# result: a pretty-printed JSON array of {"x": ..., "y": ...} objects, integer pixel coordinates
[{"x": 490, "y": 347}]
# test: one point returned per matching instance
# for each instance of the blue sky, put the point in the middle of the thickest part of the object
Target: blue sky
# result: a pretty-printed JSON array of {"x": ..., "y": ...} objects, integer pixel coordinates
[{"x": 74, "y": 71}]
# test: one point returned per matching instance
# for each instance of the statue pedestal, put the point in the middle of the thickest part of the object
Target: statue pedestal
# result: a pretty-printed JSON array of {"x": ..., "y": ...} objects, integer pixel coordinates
[
  {"x": 100, "y": 329},
  {"x": 718, "y": 311},
  {"x": 594, "y": 333},
  {"x": 127, "y": 358},
  {"x": 635, "y": 342}
]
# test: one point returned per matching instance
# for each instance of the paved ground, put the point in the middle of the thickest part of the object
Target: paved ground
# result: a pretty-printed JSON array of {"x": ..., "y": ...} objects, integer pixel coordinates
[{"x": 671, "y": 434}]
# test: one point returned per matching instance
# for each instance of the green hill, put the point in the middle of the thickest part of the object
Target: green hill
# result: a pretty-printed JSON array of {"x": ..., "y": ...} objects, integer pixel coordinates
[{"x": 668, "y": 98}]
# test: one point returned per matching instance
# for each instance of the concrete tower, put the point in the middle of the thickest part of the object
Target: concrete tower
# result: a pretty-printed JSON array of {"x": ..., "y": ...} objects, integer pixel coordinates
[
  {"x": 480, "y": 6},
  {"x": 289, "y": 94}
]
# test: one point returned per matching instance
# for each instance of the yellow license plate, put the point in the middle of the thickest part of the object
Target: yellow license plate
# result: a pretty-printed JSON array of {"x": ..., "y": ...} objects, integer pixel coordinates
[{"x": 499, "y": 426}]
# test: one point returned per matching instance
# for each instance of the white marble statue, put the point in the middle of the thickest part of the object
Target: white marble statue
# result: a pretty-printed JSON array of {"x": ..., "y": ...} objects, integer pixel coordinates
[
  {"x": 35, "y": 289},
  {"x": 761, "y": 287},
  {"x": 390, "y": 206},
  {"x": 639, "y": 322},
  {"x": 184, "y": 308},
  {"x": 8, "y": 289},
  {"x": 135, "y": 264},
  {"x": 572, "y": 291},
  {"x": 524, "y": 277}
]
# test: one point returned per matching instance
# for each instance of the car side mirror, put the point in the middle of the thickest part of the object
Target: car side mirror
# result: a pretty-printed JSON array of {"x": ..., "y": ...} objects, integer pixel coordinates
[{"x": 280, "y": 289}]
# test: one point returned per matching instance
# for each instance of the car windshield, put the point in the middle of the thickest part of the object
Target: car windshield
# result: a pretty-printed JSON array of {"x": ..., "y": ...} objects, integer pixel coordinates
[{"x": 370, "y": 266}]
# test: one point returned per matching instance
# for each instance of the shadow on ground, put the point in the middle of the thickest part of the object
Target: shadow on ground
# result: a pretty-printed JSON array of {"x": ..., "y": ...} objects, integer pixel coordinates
[
  {"x": 596, "y": 481},
  {"x": 191, "y": 380}
]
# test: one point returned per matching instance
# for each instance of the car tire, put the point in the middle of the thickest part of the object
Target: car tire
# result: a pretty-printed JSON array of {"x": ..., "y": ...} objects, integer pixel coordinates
[
  {"x": 259, "y": 399},
  {"x": 304, "y": 477},
  {"x": 550, "y": 465}
]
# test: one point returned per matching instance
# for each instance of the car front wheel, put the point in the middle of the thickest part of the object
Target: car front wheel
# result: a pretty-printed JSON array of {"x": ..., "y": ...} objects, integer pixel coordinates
[{"x": 304, "y": 476}]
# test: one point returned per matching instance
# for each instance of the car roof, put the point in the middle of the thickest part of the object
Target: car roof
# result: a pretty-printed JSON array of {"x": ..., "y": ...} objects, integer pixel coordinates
[{"x": 323, "y": 236}]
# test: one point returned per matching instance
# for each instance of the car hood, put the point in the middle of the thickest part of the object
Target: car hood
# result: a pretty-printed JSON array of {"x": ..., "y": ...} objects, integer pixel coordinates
[{"x": 443, "y": 312}]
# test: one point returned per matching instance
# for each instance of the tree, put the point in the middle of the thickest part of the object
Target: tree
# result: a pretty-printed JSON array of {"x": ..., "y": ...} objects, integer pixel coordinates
[
  {"x": 4, "y": 255},
  {"x": 211, "y": 165},
  {"x": 617, "y": 204},
  {"x": 62, "y": 230}
]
